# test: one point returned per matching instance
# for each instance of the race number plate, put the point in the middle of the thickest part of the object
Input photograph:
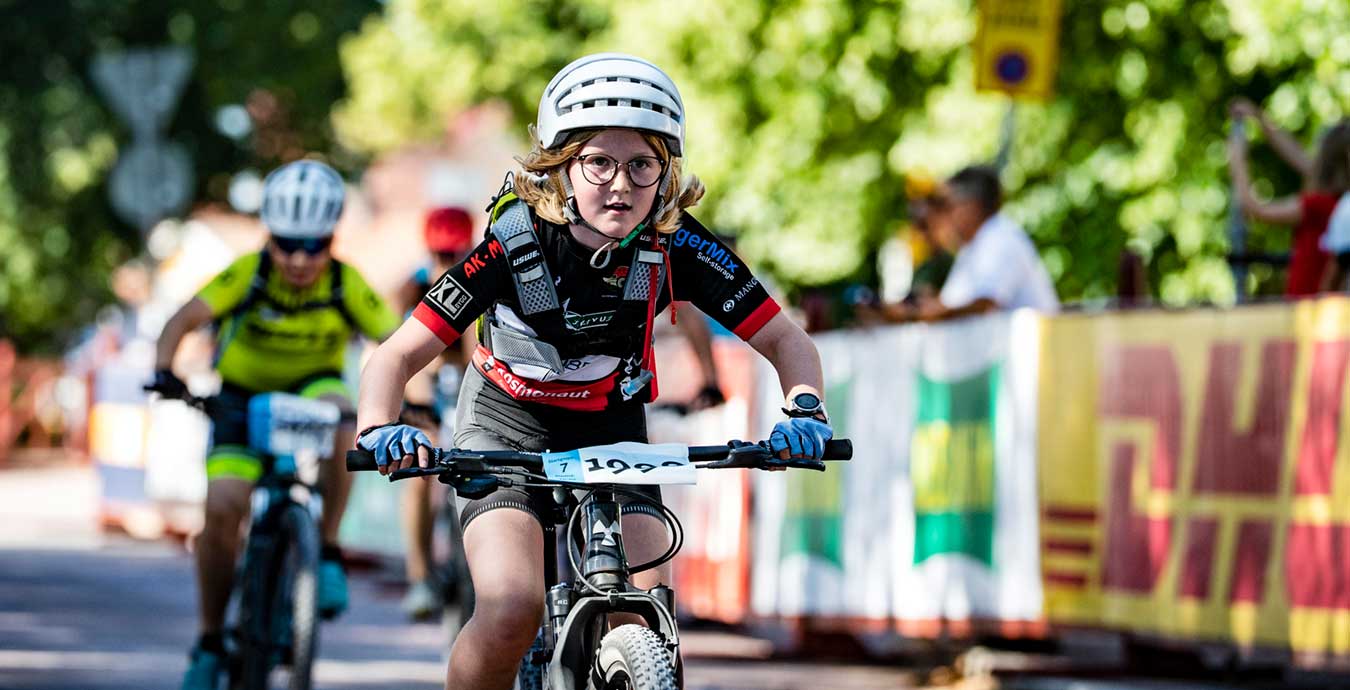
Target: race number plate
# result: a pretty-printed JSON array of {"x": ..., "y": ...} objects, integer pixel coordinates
[
  {"x": 623, "y": 463},
  {"x": 285, "y": 424}
]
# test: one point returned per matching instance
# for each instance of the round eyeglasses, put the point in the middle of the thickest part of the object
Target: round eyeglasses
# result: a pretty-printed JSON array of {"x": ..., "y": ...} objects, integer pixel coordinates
[{"x": 643, "y": 171}]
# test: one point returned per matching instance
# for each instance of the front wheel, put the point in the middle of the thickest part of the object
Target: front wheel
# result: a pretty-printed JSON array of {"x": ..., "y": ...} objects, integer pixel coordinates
[
  {"x": 633, "y": 657},
  {"x": 298, "y": 602},
  {"x": 253, "y": 663}
]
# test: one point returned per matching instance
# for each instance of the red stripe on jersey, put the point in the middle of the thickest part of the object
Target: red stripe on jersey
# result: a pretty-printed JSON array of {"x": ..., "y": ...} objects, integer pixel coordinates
[
  {"x": 756, "y": 320},
  {"x": 433, "y": 321}
]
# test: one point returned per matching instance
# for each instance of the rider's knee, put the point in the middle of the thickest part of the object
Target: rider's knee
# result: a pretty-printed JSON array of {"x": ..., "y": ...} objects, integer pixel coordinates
[{"x": 514, "y": 616}]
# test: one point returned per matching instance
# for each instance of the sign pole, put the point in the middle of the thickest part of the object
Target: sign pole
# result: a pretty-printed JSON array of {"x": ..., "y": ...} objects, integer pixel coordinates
[
  {"x": 1005, "y": 144},
  {"x": 1237, "y": 228}
]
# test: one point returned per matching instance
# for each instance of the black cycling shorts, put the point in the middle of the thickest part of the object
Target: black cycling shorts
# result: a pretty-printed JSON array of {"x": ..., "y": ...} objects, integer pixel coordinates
[
  {"x": 230, "y": 455},
  {"x": 489, "y": 419}
]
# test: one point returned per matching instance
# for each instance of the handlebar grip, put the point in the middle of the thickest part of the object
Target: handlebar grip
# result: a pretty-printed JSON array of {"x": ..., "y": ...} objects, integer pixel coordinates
[
  {"x": 361, "y": 461},
  {"x": 837, "y": 449}
]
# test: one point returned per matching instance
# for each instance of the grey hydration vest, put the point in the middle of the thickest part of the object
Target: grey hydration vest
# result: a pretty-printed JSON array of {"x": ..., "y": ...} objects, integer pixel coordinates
[{"x": 537, "y": 295}]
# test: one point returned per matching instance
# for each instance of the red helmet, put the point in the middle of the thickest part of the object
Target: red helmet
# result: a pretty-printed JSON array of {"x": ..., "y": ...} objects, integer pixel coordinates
[{"x": 448, "y": 230}]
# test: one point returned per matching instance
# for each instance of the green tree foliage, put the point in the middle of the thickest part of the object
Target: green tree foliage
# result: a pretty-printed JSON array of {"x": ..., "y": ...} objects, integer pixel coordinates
[
  {"x": 806, "y": 115},
  {"x": 59, "y": 141}
]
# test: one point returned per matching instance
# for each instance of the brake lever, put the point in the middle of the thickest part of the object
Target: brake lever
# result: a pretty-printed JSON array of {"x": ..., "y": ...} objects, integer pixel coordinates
[{"x": 740, "y": 455}]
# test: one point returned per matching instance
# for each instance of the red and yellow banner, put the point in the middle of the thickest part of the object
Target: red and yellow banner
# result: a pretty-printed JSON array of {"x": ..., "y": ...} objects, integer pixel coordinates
[{"x": 1195, "y": 474}]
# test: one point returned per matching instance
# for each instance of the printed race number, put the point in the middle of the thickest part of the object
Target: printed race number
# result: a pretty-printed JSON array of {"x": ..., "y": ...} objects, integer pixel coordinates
[{"x": 623, "y": 463}]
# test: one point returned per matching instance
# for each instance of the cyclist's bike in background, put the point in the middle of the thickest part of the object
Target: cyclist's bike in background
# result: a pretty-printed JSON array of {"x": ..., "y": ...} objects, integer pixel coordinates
[
  {"x": 448, "y": 567},
  {"x": 276, "y": 617},
  {"x": 575, "y": 649}
]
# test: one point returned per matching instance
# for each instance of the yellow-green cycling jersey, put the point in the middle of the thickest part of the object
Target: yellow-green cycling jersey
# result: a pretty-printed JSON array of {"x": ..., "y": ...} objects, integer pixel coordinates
[{"x": 283, "y": 335}]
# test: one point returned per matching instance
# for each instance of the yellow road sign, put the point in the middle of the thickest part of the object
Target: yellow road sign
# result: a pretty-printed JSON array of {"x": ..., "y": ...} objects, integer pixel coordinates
[{"x": 1017, "y": 47}]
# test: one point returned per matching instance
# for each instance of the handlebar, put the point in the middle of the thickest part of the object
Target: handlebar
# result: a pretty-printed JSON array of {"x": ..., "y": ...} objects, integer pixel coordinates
[
  {"x": 206, "y": 404},
  {"x": 737, "y": 454}
]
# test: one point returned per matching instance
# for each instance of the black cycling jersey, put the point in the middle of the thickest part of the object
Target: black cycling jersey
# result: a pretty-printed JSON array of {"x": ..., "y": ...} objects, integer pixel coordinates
[{"x": 703, "y": 271}]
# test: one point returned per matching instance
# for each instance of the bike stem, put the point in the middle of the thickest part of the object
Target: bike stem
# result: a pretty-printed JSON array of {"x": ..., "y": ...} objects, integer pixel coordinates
[{"x": 606, "y": 565}]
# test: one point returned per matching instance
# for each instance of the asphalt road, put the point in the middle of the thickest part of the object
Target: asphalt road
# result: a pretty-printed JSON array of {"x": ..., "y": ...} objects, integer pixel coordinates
[
  {"x": 84, "y": 611},
  {"x": 80, "y": 610}
]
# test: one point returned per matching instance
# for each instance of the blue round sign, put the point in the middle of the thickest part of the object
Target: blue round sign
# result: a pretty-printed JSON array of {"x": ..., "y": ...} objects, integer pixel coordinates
[{"x": 1012, "y": 67}]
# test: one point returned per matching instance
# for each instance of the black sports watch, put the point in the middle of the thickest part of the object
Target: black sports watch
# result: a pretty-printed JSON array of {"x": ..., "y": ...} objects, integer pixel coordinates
[{"x": 806, "y": 405}]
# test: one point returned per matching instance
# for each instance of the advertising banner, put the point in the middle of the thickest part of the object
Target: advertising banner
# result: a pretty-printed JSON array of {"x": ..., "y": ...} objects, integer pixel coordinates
[
  {"x": 1195, "y": 475},
  {"x": 932, "y": 526},
  {"x": 712, "y": 571}
]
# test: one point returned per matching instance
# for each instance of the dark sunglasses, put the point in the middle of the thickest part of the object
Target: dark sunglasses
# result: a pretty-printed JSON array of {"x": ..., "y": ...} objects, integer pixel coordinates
[{"x": 308, "y": 245}]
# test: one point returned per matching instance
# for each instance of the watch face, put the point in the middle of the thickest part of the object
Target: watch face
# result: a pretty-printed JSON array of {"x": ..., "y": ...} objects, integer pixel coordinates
[{"x": 806, "y": 402}]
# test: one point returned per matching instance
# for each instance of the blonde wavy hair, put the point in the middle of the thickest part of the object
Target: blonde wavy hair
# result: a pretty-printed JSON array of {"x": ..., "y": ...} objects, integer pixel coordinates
[{"x": 539, "y": 182}]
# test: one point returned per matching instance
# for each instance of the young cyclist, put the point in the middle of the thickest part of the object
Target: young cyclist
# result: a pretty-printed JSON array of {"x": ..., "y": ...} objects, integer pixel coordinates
[
  {"x": 284, "y": 316},
  {"x": 590, "y": 246}
]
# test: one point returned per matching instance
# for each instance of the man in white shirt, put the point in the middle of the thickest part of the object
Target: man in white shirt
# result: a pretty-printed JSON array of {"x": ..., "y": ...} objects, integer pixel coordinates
[{"x": 997, "y": 266}]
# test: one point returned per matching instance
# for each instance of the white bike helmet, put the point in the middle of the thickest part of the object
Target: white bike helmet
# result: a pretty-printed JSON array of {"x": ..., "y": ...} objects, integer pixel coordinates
[
  {"x": 302, "y": 200},
  {"x": 611, "y": 90}
]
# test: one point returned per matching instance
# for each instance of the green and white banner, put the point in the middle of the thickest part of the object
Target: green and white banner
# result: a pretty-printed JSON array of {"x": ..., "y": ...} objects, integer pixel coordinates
[{"x": 935, "y": 519}]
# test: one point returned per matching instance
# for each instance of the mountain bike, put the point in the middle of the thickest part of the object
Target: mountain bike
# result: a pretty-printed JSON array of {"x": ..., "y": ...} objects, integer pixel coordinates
[
  {"x": 575, "y": 648},
  {"x": 276, "y": 613}
]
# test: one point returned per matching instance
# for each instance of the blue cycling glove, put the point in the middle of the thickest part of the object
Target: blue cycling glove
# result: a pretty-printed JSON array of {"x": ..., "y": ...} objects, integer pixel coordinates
[
  {"x": 801, "y": 437},
  {"x": 390, "y": 442}
]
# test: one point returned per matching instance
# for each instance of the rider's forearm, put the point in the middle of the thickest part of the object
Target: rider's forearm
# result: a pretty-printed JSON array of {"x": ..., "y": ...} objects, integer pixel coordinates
[
  {"x": 189, "y": 317},
  {"x": 793, "y": 355},
  {"x": 799, "y": 369},
  {"x": 382, "y": 384},
  {"x": 393, "y": 364},
  {"x": 167, "y": 345}
]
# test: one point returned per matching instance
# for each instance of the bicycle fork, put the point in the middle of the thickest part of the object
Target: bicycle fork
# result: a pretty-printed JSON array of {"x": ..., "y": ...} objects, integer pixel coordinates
[{"x": 576, "y": 616}]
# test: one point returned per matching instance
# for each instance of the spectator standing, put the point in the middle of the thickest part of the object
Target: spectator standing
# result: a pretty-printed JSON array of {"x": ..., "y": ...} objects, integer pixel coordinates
[{"x": 1325, "y": 178}]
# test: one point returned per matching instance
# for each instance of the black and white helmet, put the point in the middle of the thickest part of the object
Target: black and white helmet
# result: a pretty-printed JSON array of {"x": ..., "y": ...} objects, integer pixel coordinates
[
  {"x": 611, "y": 90},
  {"x": 302, "y": 200}
]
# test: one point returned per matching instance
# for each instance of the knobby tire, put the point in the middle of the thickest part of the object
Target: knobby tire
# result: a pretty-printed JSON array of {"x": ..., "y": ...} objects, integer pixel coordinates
[{"x": 633, "y": 657}]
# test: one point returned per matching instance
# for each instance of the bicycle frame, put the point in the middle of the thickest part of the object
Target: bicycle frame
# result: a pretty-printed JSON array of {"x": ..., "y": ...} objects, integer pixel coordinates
[
  {"x": 575, "y": 616},
  {"x": 275, "y": 490}
]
